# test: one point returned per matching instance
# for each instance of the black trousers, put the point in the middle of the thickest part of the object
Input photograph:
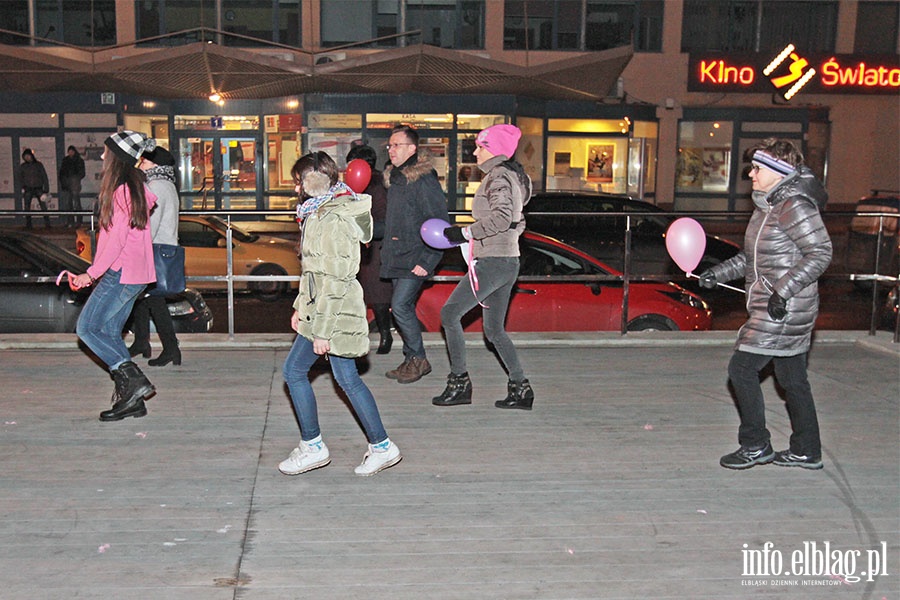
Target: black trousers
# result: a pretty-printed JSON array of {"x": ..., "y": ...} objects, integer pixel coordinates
[
  {"x": 29, "y": 195},
  {"x": 790, "y": 371},
  {"x": 154, "y": 306}
]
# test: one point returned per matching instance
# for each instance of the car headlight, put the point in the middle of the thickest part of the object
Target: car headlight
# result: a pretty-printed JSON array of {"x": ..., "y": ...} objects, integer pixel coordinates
[{"x": 687, "y": 298}]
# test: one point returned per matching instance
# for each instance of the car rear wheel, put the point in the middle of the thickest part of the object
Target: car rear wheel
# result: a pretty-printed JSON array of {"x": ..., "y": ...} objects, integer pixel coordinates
[
  {"x": 268, "y": 291},
  {"x": 652, "y": 323}
]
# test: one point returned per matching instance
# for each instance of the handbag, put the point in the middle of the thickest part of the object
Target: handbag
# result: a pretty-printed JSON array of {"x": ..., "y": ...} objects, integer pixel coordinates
[{"x": 169, "y": 262}]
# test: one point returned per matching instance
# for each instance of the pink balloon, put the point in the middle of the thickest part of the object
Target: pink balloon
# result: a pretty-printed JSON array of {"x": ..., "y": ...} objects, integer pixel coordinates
[
  {"x": 432, "y": 232},
  {"x": 357, "y": 175},
  {"x": 686, "y": 243}
]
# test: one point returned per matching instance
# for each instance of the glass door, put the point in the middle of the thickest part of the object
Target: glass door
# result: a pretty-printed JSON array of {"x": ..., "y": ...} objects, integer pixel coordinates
[{"x": 218, "y": 172}]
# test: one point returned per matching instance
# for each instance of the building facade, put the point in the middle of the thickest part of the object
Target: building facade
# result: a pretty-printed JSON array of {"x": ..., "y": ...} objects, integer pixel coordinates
[{"x": 642, "y": 97}]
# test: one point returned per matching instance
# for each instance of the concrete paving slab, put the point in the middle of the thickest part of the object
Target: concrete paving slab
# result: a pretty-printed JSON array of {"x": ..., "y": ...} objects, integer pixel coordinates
[{"x": 609, "y": 488}]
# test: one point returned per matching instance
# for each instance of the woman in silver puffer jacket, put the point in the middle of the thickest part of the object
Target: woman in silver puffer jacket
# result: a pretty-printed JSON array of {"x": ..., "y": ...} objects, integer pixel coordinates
[{"x": 786, "y": 250}]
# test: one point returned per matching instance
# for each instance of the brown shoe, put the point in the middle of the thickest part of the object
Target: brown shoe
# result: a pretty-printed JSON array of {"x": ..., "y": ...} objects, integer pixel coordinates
[
  {"x": 394, "y": 373},
  {"x": 415, "y": 369}
]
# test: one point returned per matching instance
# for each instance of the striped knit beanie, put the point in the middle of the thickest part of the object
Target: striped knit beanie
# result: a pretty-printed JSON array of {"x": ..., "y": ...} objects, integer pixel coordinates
[
  {"x": 776, "y": 165},
  {"x": 129, "y": 145}
]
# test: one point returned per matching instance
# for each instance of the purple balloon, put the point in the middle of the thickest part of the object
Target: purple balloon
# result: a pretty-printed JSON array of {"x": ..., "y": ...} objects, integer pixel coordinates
[{"x": 432, "y": 232}]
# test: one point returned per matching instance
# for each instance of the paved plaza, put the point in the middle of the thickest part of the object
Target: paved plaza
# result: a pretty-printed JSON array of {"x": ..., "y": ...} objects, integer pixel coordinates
[{"x": 609, "y": 489}]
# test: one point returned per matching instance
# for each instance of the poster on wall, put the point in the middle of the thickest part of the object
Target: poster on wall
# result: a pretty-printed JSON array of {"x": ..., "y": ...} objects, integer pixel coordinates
[
  {"x": 6, "y": 169},
  {"x": 689, "y": 169},
  {"x": 715, "y": 168},
  {"x": 599, "y": 166}
]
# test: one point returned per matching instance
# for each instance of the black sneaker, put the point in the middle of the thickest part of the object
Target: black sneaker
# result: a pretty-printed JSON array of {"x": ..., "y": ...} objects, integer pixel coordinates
[
  {"x": 744, "y": 458},
  {"x": 786, "y": 458}
]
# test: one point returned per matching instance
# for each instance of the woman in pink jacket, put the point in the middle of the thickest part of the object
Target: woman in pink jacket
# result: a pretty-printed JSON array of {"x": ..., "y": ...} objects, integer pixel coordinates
[{"x": 122, "y": 268}]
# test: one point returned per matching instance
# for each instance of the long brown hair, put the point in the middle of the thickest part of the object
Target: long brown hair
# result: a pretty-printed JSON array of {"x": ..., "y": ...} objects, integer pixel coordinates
[{"x": 117, "y": 173}]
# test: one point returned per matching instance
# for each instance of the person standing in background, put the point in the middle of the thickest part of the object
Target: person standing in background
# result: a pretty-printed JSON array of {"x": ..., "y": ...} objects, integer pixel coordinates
[
  {"x": 34, "y": 182},
  {"x": 122, "y": 268},
  {"x": 71, "y": 172},
  {"x": 414, "y": 196},
  {"x": 377, "y": 291},
  {"x": 158, "y": 166}
]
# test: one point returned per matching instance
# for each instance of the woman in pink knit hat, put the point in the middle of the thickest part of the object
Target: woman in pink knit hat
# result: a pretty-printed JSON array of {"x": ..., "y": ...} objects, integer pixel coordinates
[{"x": 493, "y": 267}]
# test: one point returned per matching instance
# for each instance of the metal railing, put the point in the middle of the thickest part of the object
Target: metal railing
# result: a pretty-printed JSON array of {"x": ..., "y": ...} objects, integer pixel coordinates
[{"x": 627, "y": 277}]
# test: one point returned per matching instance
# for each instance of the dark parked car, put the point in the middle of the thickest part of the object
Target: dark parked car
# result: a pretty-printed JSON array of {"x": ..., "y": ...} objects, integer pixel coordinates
[
  {"x": 602, "y": 235},
  {"x": 32, "y": 302}
]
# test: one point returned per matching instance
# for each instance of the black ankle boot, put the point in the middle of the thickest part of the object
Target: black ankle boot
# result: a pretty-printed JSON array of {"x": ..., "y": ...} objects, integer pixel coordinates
[
  {"x": 132, "y": 387},
  {"x": 165, "y": 357},
  {"x": 458, "y": 391},
  {"x": 518, "y": 395},
  {"x": 387, "y": 340},
  {"x": 382, "y": 314},
  {"x": 142, "y": 348}
]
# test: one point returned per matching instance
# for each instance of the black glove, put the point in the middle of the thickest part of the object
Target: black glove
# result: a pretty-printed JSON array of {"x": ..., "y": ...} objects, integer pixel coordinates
[
  {"x": 707, "y": 279},
  {"x": 777, "y": 307},
  {"x": 454, "y": 235}
]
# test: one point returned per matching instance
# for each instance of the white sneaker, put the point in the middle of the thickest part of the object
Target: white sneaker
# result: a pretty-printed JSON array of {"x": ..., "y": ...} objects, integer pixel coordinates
[
  {"x": 305, "y": 457},
  {"x": 378, "y": 458}
]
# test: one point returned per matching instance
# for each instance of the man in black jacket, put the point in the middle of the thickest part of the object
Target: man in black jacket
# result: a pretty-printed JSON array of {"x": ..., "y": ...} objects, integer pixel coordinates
[
  {"x": 414, "y": 196},
  {"x": 34, "y": 182},
  {"x": 71, "y": 172}
]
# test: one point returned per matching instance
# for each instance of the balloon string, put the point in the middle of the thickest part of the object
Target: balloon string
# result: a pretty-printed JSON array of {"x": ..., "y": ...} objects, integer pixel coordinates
[
  {"x": 724, "y": 285},
  {"x": 473, "y": 276}
]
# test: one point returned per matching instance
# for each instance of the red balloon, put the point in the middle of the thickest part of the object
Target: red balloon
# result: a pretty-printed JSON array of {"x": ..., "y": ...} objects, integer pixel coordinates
[{"x": 358, "y": 175}]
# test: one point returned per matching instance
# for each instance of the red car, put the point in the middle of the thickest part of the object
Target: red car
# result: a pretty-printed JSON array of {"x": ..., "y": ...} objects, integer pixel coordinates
[{"x": 555, "y": 292}]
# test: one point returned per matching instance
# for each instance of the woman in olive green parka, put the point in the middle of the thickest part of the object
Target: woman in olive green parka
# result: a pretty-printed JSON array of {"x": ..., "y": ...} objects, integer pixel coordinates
[{"x": 330, "y": 314}]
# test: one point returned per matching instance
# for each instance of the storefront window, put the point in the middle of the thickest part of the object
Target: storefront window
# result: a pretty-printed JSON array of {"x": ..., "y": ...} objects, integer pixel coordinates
[
  {"x": 76, "y": 22},
  {"x": 642, "y": 160},
  {"x": 468, "y": 175},
  {"x": 589, "y": 162},
  {"x": 704, "y": 156},
  {"x": 530, "y": 152}
]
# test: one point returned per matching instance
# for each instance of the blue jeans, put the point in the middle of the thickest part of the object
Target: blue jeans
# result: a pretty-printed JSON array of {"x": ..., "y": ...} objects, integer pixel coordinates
[
  {"x": 296, "y": 375},
  {"x": 790, "y": 372},
  {"x": 403, "y": 305},
  {"x": 496, "y": 277},
  {"x": 103, "y": 317}
]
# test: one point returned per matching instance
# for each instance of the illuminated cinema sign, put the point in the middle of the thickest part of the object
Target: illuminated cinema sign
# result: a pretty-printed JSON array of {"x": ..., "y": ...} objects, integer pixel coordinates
[{"x": 792, "y": 70}]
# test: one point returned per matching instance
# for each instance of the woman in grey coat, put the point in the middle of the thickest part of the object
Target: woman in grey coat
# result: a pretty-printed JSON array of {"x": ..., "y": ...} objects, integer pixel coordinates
[{"x": 786, "y": 250}]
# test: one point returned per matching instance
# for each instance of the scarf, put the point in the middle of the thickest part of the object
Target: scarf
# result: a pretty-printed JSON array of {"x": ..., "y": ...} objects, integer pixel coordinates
[
  {"x": 312, "y": 204},
  {"x": 160, "y": 172}
]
